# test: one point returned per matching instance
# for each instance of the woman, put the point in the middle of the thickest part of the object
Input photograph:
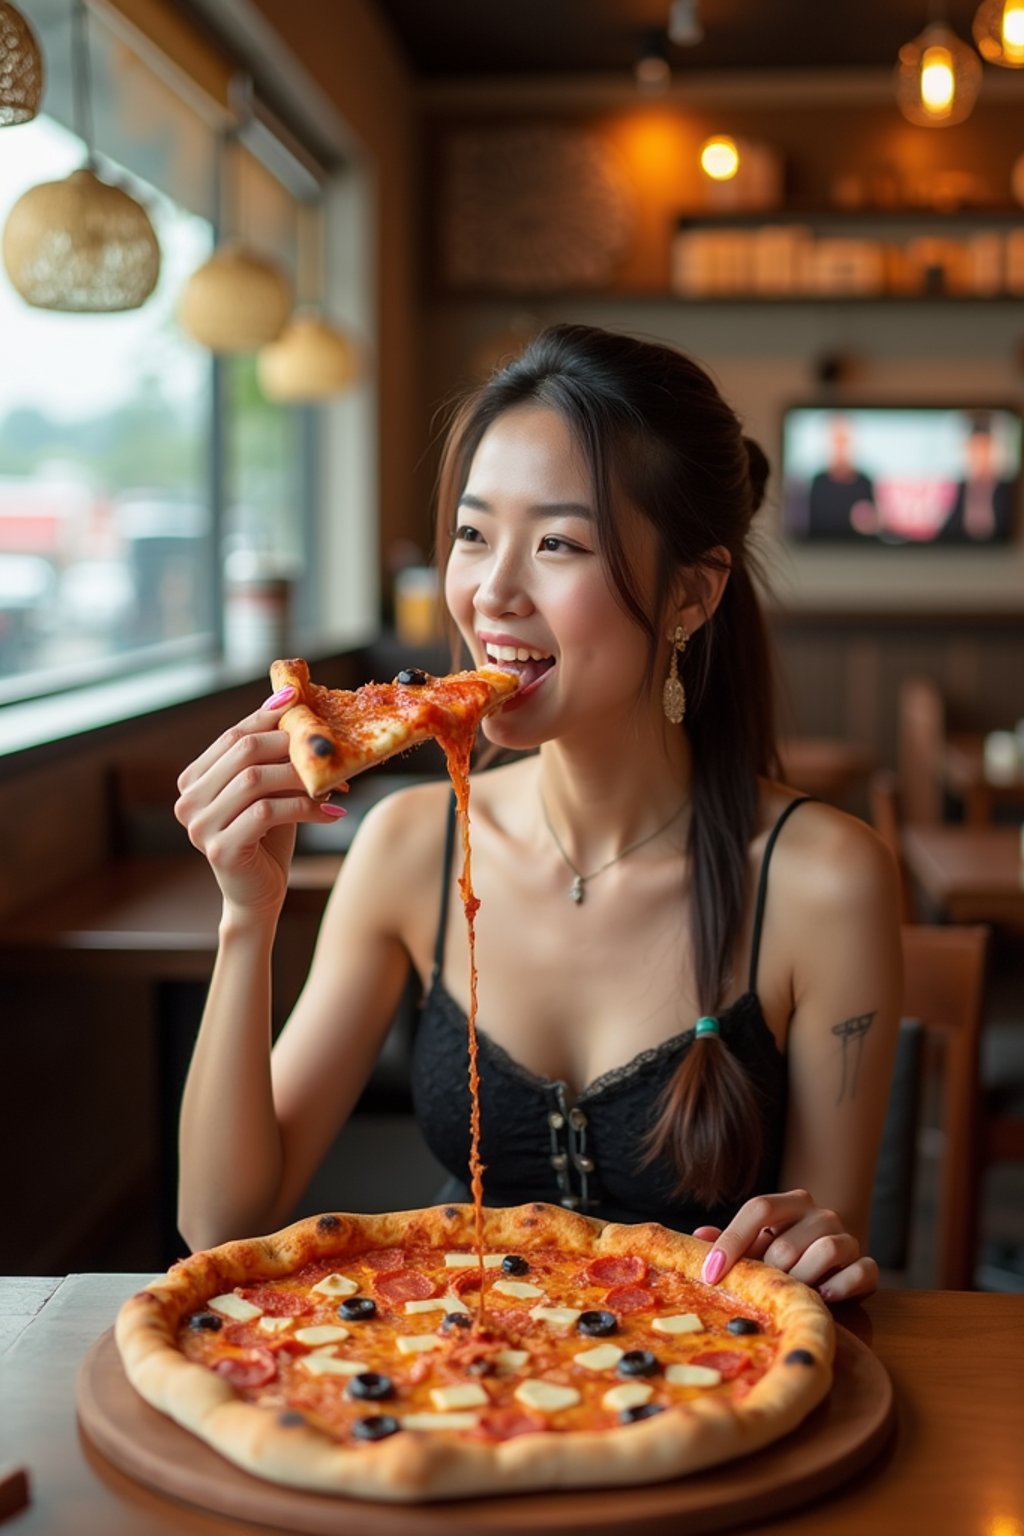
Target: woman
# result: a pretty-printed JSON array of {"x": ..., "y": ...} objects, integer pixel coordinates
[{"x": 689, "y": 975}]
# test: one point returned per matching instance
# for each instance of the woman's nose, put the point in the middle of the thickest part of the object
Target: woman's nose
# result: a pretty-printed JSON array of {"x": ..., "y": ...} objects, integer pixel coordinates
[{"x": 503, "y": 591}]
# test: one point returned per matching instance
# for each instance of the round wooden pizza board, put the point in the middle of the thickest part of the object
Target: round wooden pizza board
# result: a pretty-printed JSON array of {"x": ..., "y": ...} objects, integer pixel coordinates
[{"x": 835, "y": 1442}]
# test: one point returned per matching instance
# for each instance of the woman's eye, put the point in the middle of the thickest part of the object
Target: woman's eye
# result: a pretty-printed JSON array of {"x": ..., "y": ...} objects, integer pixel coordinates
[
  {"x": 553, "y": 545},
  {"x": 465, "y": 534}
]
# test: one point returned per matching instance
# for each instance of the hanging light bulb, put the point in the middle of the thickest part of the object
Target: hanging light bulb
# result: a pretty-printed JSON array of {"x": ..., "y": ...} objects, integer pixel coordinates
[
  {"x": 938, "y": 78},
  {"x": 999, "y": 32},
  {"x": 652, "y": 69},
  {"x": 720, "y": 157},
  {"x": 81, "y": 245},
  {"x": 312, "y": 358},
  {"x": 21, "y": 68},
  {"x": 238, "y": 299}
]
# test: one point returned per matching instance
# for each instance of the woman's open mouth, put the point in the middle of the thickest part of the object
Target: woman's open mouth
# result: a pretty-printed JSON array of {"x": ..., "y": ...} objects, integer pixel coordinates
[{"x": 530, "y": 665}]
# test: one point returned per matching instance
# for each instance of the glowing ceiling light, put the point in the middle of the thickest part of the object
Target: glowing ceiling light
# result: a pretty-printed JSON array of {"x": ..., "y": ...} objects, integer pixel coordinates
[
  {"x": 938, "y": 78},
  {"x": 720, "y": 157},
  {"x": 999, "y": 32}
]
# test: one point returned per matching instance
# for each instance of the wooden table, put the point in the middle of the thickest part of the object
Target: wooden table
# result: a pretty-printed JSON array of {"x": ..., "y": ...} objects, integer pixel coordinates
[
  {"x": 982, "y": 793},
  {"x": 956, "y": 1360},
  {"x": 969, "y": 874}
]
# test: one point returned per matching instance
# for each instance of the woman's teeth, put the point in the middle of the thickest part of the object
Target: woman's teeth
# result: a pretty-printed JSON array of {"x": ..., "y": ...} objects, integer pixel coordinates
[{"x": 514, "y": 653}]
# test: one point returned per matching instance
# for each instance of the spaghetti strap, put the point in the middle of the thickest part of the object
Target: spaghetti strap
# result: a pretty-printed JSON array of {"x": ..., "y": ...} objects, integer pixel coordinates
[
  {"x": 446, "y": 880},
  {"x": 762, "y": 888}
]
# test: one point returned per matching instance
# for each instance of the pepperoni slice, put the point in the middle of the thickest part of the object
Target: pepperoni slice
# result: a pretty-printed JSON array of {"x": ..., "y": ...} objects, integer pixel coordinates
[
  {"x": 629, "y": 1298},
  {"x": 506, "y": 1423},
  {"x": 728, "y": 1361},
  {"x": 385, "y": 1258},
  {"x": 255, "y": 1369},
  {"x": 404, "y": 1285},
  {"x": 277, "y": 1303},
  {"x": 469, "y": 1280},
  {"x": 617, "y": 1269}
]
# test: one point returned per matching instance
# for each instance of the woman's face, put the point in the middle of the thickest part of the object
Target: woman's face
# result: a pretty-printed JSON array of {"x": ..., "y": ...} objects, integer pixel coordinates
[{"x": 528, "y": 588}]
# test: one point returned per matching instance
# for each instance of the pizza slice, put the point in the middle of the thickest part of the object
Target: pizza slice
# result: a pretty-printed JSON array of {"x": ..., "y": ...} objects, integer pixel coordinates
[{"x": 335, "y": 733}]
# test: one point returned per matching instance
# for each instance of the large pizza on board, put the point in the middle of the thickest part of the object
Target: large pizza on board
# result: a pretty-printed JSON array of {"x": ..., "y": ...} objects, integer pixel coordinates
[{"x": 391, "y": 1357}]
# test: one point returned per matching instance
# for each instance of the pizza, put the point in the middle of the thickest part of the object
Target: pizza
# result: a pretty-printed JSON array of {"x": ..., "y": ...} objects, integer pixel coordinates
[
  {"x": 390, "y": 1357},
  {"x": 335, "y": 733}
]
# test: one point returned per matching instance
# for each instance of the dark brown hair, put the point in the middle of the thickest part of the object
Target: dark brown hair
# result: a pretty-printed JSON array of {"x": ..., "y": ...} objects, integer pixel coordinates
[{"x": 653, "y": 428}]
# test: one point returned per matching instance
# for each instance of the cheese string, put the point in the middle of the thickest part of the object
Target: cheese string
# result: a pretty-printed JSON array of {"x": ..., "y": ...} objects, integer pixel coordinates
[{"x": 457, "y": 756}]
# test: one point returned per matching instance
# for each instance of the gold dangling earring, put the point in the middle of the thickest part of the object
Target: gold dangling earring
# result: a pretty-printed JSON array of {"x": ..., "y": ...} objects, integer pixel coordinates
[{"x": 673, "y": 695}]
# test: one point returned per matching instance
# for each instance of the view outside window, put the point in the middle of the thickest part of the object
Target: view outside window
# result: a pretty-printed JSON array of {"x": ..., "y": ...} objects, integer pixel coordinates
[{"x": 105, "y": 426}]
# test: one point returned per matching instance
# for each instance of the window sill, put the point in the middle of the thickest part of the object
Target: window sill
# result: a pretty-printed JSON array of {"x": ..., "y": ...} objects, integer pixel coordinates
[{"x": 70, "y": 715}]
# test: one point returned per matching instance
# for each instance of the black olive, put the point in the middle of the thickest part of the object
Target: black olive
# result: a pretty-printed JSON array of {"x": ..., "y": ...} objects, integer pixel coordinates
[
  {"x": 327, "y": 1223},
  {"x": 371, "y": 1385},
  {"x": 412, "y": 677},
  {"x": 355, "y": 1308},
  {"x": 638, "y": 1362},
  {"x": 207, "y": 1320},
  {"x": 743, "y": 1325},
  {"x": 320, "y": 746},
  {"x": 513, "y": 1264},
  {"x": 597, "y": 1323},
  {"x": 290, "y": 1419},
  {"x": 799, "y": 1357},
  {"x": 455, "y": 1320},
  {"x": 376, "y": 1426},
  {"x": 640, "y": 1411}
]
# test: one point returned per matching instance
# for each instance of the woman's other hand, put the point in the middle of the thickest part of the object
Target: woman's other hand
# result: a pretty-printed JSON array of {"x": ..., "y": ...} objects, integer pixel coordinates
[
  {"x": 791, "y": 1233},
  {"x": 241, "y": 802}
]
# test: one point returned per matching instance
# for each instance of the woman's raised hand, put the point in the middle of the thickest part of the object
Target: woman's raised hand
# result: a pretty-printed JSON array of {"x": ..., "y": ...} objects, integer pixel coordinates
[
  {"x": 241, "y": 802},
  {"x": 792, "y": 1233}
]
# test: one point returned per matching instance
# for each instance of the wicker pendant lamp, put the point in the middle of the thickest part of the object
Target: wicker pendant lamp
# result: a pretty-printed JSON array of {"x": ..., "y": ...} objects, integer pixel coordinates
[
  {"x": 81, "y": 245},
  {"x": 312, "y": 359},
  {"x": 238, "y": 299},
  {"x": 21, "y": 68}
]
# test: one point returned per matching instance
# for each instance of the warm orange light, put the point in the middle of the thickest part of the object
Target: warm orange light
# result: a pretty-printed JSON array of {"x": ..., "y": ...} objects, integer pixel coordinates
[
  {"x": 999, "y": 32},
  {"x": 720, "y": 158},
  {"x": 938, "y": 86}
]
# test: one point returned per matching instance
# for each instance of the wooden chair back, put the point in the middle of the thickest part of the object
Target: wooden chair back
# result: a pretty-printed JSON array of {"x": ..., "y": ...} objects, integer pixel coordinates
[
  {"x": 920, "y": 745},
  {"x": 884, "y": 810},
  {"x": 944, "y": 976}
]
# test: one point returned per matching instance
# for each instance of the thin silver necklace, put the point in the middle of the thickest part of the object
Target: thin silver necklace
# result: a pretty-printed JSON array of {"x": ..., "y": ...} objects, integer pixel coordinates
[{"x": 577, "y": 890}]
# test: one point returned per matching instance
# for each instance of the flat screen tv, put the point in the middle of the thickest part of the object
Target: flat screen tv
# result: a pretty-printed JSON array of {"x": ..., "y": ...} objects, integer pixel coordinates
[{"x": 913, "y": 475}]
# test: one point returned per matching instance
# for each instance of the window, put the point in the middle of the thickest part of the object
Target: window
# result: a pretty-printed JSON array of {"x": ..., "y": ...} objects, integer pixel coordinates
[{"x": 118, "y": 504}]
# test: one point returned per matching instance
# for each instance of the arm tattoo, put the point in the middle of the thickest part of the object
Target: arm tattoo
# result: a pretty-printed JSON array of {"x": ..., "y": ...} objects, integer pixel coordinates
[{"x": 851, "y": 1032}]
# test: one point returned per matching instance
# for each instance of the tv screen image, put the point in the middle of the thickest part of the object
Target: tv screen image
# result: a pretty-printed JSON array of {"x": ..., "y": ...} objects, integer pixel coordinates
[{"x": 910, "y": 475}]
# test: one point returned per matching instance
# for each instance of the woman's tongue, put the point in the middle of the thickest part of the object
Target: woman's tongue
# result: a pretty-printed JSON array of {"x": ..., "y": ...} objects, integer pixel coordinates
[{"x": 529, "y": 670}]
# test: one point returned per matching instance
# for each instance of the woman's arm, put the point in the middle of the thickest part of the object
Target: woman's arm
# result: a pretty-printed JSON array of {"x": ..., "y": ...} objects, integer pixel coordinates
[{"x": 836, "y": 912}]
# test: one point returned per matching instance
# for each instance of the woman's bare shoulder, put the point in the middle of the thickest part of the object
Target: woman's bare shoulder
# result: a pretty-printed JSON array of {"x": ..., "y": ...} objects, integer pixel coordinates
[{"x": 824, "y": 854}]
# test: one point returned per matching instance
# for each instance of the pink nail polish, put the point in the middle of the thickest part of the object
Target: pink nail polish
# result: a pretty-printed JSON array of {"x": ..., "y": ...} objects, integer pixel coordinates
[
  {"x": 335, "y": 812},
  {"x": 713, "y": 1266},
  {"x": 280, "y": 697}
]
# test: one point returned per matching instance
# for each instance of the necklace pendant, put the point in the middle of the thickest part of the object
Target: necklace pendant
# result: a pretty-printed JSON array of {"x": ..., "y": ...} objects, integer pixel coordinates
[{"x": 576, "y": 891}]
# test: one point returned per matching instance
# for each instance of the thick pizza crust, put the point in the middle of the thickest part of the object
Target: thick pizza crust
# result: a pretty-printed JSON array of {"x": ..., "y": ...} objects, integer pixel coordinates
[
  {"x": 415, "y": 1466},
  {"x": 325, "y": 758}
]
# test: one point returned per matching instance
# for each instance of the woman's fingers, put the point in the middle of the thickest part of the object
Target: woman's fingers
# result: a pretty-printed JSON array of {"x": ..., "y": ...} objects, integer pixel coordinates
[{"x": 262, "y": 720}]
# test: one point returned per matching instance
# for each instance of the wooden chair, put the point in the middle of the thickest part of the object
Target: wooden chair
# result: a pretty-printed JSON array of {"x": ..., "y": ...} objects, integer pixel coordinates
[
  {"x": 921, "y": 743},
  {"x": 884, "y": 811},
  {"x": 944, "y": 982}
]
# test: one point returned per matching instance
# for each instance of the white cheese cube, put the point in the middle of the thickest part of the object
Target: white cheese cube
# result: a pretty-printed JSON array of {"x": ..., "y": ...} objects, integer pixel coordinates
[
  {"x": 321, "y": 1333},
  {"x": 325, "y": 1364},
  {"x": 548, "y": 1396},
  {"x": 509, "y": 1360},
  {"x": 518, "y": 1288},
  {"x": 470, "y": 1260},
  {"x": 274, "y": 1324},
  {"x": 335, "y": 1285},
  {"x": 439, "y": 1420},
  {"x": 555, "y": 1317},
  {"x": 467, "y": 1394},
  {"x": 414, "y": 1343},
  {"x": 692, "y": 1375},
  {"x": 681, "y": 1322},
  {"x": 431, "y": 1304},
  {"x": 601, "y": 1358},
  {"x": 630, "y": 1394},
  {"x": 235, "y": 1307}
]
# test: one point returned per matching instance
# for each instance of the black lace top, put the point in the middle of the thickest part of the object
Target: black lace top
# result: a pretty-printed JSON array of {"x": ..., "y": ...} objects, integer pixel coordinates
[{"x": 587, "y": 1155}]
